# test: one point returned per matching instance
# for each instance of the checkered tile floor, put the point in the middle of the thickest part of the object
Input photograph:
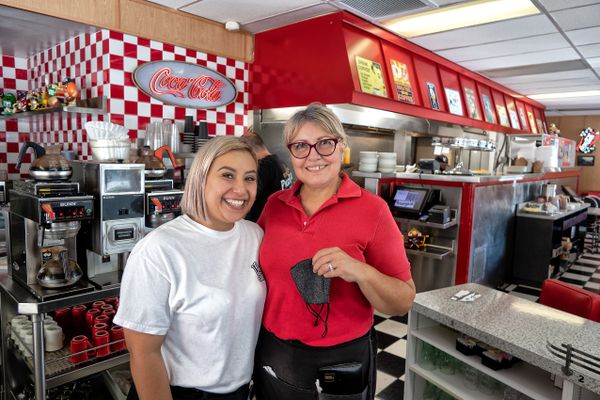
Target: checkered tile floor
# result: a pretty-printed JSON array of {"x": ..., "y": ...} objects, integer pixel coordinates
[{"x": 391, "y": 355}]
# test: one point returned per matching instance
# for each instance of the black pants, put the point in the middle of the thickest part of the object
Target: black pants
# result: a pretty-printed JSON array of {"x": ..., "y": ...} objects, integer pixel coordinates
[
  {"x": 181, "y": 393},
  {"x": 295, "y": 366}
]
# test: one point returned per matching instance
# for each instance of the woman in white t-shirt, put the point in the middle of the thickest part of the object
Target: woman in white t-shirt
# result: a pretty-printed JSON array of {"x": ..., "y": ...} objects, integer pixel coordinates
[{"x": 192, "y": 293}]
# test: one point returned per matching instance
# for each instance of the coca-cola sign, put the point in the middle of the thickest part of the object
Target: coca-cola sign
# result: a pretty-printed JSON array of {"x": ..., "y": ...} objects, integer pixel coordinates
[{"x": 184, "y": 84}]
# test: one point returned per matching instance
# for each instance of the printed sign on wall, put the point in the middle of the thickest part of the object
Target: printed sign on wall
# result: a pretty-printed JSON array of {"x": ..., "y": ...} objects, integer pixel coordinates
[
  {"x": 370, "y": 76},
  {"x": 471, "y": 105},
  {"x": 454, "y": 103},
  {"x": 402, "y": 82},
  {"x": 433, "y": 99},
  {"x": 184, "y": 84}
]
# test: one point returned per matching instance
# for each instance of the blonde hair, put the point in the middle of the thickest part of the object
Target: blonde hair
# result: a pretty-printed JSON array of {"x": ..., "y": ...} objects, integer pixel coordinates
[
  {"x": 193, "y": 202},
  {"x": 318, "y": 114}
]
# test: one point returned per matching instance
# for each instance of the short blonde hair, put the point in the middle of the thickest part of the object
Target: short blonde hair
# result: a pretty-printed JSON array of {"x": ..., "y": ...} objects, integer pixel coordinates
[
  {"x": 318, "y": 114},
  {"x": 193, "y": 202}
]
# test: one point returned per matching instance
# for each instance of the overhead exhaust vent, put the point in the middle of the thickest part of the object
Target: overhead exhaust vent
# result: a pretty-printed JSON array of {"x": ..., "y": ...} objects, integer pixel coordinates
[{"x": 386, "y": 9}]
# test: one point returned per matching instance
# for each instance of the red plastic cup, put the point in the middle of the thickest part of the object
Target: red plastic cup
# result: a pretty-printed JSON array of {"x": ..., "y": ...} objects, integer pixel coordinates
[
  {"x": 79, "y": 344},
  {"x": 99, "y": 326},
  {"x": 107, "y": 307},
  {"x": 78, "y": 321},
  {"x": 113, "y": 301},
  {"x": 110, "y": 314},
  {"x": 102, "y": 318},
  {"x": 117, "y": 333},
  {"x": 90, "y": 317},
  {"x": 98, "y": 304},
  {"x": 102, "y": 338},
  {"x": 63, "y": 318}
]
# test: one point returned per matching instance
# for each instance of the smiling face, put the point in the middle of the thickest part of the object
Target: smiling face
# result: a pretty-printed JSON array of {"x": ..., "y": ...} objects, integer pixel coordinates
[
  {"x": 316, "y": 171},
  {"x": 230, "y": 189}
]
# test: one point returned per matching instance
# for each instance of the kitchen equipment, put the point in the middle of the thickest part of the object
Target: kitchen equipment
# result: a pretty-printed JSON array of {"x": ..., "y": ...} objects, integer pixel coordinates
[
  {"x": 553, "y": 151},
  {"x": 439, "y": 214},
  {"x": 176, "y": 172},
  {"x": 44, "y": 224},
  {"x": 118, "y": 223},
  {"x": 162, "y": 202},
  {"x": 49, "y": 164},
  {"x": 548, "y": 190},
  {"x": 154, "y": 168}
]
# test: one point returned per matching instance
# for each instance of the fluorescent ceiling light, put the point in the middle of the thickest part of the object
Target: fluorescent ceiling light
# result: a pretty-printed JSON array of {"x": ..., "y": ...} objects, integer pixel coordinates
[
  {"x": 460, "y": 16},
  {"x": 563, "y": 95}
]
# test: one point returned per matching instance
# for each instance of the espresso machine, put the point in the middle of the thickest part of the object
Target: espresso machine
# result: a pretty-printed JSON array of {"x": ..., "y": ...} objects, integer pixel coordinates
[
  {"x": 45, "y": 220},
  {"x": 162, "y": 202},
  {"x": 118, "y": 223}
]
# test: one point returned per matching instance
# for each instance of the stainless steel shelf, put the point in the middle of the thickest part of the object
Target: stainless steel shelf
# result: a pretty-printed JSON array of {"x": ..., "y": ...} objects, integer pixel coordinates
[
  {"x": 87, "y": 370},
  {"x": 416, "y": 222},
  {"x": 432, "y": 251},
  {"x": 96, "y": 105}
]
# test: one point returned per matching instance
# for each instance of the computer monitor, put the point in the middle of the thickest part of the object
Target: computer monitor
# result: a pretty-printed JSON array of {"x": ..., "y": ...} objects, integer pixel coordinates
[{"x": 410, "y": 200}]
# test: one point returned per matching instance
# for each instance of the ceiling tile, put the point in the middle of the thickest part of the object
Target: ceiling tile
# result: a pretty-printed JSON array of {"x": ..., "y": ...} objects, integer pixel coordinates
[
  {"x": 244, "y": 11},
  {"x": 487, "y": 33},
  {"x": 533, "y": 58},
  {"x": 576, "y": 18},
  {"x": 590, "y": 50},
  {"x": 288, "y": 18},
  {"x": 594, "y": 62},
  {"x": 553, "y": 5},
  {"x": 516, "y": 46},
  {"x": 172, "y": 3},
  {"x": 576, "y": 88},
  {"x": 584, "y": 36},
  {"x": 583, "y": 73},
  {"x": 554, "y": 84}
]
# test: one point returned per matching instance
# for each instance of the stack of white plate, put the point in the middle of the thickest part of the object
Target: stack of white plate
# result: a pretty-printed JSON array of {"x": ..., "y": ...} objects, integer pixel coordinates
[
  {"x": 368, "y": 161},
  {"x": 387, "y": 162}
]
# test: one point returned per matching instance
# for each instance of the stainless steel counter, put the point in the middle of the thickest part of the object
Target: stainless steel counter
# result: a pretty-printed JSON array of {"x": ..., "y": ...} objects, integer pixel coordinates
[
  {"x": 551, "y": 217},
  {"x": 466, "y": 178}
]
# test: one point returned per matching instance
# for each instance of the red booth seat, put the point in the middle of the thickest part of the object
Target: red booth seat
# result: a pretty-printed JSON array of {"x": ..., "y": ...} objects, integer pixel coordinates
[{"x": 571, "y": 299}]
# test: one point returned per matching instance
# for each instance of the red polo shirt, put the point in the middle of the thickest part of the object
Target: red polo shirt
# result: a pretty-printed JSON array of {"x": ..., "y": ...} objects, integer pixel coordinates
[{"x": 356, "y": 221}]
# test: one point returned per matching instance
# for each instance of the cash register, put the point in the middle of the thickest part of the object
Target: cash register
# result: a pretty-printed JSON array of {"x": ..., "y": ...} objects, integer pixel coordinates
[{"x": 409, "y": 202}]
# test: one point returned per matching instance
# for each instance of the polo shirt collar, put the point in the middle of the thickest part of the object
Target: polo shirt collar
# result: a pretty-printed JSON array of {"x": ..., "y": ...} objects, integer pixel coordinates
[{"x": 347, "y": 189}]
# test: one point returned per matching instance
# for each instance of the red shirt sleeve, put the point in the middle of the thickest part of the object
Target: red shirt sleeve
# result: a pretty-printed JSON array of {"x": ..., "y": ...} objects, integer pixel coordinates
[{"x": 385, "y": 250}]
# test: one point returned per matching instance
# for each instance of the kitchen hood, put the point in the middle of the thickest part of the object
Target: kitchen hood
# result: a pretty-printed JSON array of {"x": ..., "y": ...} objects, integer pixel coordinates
[{"x": 334, "y": 59}]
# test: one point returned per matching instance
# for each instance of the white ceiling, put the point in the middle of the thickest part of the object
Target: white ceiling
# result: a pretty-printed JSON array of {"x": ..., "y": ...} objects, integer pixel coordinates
[{"x": 557, "y": 50}]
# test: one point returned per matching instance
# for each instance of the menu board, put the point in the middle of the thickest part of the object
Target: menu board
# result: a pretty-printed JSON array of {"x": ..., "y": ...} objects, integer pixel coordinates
[
  {"x": 370, "y": 75},
  {"x": 402, "y": 82}
]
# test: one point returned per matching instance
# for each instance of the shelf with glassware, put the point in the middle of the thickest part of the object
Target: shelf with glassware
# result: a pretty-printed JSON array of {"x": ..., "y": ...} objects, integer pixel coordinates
[
  {"x": 48, "y": 347},
  {"x": 94, "y": 105}
]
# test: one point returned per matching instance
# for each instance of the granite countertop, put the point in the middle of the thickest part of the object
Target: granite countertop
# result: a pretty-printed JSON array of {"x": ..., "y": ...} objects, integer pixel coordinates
[{"x": 518, "y": 326}]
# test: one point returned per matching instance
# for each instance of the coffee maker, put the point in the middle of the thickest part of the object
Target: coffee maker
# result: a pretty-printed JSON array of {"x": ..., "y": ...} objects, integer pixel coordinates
[
  {"x": 118, "y": 224},
  {"x": 45, "y": 219},
  {"x": 162, "y": 202}
]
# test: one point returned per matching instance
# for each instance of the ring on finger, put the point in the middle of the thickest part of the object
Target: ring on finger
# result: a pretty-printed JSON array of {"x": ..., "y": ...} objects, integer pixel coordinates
[{"x": 330, "y": 266}]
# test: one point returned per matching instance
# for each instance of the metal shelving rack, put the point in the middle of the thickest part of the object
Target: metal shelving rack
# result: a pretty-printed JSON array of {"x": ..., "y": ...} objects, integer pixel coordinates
[
  {"x": 15, "y": 299},
  {"x": 95, "y": 105}
]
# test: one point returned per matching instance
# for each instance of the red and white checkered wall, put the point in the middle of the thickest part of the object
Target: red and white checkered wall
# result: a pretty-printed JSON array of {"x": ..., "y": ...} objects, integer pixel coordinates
[{"x": 101, "y": 64}]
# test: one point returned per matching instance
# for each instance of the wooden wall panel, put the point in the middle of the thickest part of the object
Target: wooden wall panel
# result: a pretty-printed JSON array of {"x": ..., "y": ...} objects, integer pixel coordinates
[
  {"x": 150, "y": 21},
  {"x": 570, "y": 127}
]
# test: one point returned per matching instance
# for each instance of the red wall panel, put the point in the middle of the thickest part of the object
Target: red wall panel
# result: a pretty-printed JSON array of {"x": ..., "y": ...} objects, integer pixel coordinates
[
  {"x": 360, "y": 44},
  {"x": 427, "y": 75}
]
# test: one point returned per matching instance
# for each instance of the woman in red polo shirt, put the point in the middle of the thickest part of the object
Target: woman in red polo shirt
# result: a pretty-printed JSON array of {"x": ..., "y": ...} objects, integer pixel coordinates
[{"x": 348, "y": 258}]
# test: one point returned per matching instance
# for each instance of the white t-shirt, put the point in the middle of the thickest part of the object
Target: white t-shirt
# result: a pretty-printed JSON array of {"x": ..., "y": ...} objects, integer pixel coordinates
[{"x": 203, "y": 290}]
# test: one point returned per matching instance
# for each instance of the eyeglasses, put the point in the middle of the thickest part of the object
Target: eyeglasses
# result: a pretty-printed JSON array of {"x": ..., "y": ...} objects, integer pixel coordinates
[{"x": 324, "y": 147}]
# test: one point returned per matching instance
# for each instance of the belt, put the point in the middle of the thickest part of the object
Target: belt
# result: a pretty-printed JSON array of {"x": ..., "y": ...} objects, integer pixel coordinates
[{"x": 197, "y": 394}]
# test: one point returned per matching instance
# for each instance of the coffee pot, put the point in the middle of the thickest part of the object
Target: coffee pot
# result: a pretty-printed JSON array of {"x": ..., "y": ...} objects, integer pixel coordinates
[
  {"x": 60, "y": 270},
  {"x": 49, "y": 164},
  {"x": 154, "y": 168}
]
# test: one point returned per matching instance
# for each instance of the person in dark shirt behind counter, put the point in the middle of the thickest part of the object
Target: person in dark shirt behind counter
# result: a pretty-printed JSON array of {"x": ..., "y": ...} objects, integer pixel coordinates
[{"x": 273, "y": 174}]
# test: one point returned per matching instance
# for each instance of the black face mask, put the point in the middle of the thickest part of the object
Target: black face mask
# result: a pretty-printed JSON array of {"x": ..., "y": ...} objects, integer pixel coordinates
[{"x": 314, "y": 290}]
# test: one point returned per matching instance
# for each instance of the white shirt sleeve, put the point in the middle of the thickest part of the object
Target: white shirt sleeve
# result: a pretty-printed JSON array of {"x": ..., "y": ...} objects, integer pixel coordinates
[{"x": 144, "y": 302}]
